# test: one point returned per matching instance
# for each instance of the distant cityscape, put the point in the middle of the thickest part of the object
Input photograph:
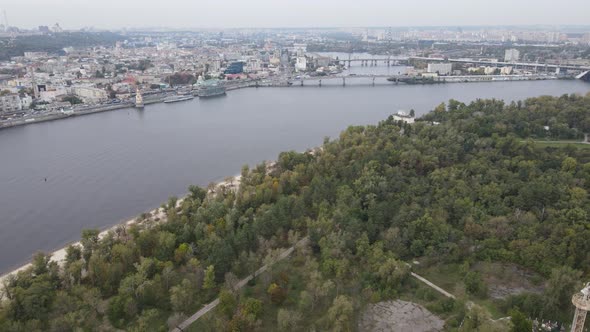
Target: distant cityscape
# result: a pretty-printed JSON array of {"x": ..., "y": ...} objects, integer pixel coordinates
[
  {"x": 292, "y": 175},
  {"x": 48, "y": 72}
]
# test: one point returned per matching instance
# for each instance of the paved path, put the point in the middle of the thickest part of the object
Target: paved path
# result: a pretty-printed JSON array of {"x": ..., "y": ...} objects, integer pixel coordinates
[
  {"x": 585, "y": 141},
  {"x": 182, "y": 326},
  {"x": 433, "y": 286}
]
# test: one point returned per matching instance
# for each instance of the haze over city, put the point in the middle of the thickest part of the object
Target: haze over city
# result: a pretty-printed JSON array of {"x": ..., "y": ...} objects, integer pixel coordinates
[{"x": 109, "y": 14}]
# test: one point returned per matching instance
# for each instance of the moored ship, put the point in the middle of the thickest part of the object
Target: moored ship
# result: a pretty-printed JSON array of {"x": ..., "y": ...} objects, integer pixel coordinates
[
  {"x": 210, "y": 88},
  {"x": 177, "y": 99}
]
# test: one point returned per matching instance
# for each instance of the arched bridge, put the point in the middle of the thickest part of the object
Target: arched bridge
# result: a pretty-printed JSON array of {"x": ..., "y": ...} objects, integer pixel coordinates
[{"x": 319, "y": 79}]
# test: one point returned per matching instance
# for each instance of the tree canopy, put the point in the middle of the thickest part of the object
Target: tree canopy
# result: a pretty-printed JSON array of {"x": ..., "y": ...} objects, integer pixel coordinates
[{"x": 472, "y": 188}]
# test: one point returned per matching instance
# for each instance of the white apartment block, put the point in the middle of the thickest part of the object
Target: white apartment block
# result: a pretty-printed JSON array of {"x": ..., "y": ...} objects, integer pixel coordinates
[
  {"x": 10, "y": 103},
  {"x": 440, "y": 68},
  {"x": 511, "y": 55},
  {"x": 301, "y": 64},
  {"x": 90, "y": 94}
]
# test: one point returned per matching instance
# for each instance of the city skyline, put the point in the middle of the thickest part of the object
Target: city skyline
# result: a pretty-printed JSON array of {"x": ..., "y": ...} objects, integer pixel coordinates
[
  {"x": 419, "y": 165},
  {"x": 110, "y": 14}
]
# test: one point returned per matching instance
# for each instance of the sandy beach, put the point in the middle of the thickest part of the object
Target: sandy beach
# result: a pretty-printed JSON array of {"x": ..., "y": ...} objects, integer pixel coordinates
[
  {"x": 59, "y": 255},
  {"x": 157, "y": 214}
]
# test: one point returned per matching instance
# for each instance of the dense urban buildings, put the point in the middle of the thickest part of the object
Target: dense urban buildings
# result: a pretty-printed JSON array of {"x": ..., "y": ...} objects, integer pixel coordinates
[
  {"x": 38, "y": 83},
  {"x": 77, "y": 76}
]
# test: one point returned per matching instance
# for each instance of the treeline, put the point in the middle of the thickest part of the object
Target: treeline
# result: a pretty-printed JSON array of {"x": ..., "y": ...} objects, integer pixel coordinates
[
  {"x": 181, "y": 78},
  {"x": 55, "y": 43},
  {"x": 470, "y": 189},
  {"x": 566, "y": 117}
]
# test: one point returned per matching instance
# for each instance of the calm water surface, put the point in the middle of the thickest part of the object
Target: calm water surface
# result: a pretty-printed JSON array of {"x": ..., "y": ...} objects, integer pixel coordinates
[{"x": 104, "y": 168}]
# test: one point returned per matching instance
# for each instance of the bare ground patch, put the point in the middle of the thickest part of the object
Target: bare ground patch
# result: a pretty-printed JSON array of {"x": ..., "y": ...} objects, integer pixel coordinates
[
  {"x": 505, "y": 279},
  {"x": 399, "y": 316}
]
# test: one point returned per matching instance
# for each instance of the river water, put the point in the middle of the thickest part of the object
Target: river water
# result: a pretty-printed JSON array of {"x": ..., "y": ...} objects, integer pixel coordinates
[{"x": 105, "y": 168}]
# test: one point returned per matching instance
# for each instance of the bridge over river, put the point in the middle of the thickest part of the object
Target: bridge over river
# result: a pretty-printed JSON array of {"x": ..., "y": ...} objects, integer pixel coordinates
[
  {"x": 398, "y": 60},
  {"x": 319, "y": 79},
  {"x": 410, "y": 79}
]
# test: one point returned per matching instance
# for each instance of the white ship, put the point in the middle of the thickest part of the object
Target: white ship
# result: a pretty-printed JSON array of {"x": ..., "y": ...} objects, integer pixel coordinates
[
  {"x": 177, "y": 99},
  {"x": 209, "y": 88}
]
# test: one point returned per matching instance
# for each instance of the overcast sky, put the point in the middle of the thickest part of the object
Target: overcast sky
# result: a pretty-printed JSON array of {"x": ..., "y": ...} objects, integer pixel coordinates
[{"x": 292, "y": 13}]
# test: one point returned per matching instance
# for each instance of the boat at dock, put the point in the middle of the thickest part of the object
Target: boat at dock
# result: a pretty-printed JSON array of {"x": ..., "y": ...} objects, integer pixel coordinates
[
  {"x": 210, "y": 88},
  {"x": 177, "y": 99}
]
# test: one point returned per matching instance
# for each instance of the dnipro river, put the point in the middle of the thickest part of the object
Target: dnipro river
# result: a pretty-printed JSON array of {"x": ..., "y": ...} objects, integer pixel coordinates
[{"x": 108, "y": 167}]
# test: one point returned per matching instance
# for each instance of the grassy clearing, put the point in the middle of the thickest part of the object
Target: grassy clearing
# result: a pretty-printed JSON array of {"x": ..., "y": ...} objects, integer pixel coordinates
[
  {"x": 451, "y": 278},
  {"x": 543, "y": 142},
  {"x": 562, "y": 144}
]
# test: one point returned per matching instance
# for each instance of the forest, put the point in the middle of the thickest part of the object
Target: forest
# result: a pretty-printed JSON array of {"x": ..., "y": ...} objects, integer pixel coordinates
[
  {"x": 467, "y": 184},
  {"x": 54, "y": 43}
]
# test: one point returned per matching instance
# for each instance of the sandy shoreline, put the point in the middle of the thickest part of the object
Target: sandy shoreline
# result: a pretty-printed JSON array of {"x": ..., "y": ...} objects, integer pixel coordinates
[{"x": 59, "y": 255}]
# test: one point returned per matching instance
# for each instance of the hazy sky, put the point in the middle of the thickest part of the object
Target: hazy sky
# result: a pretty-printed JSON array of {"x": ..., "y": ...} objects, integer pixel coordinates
[{"x": 292, "y": 13}]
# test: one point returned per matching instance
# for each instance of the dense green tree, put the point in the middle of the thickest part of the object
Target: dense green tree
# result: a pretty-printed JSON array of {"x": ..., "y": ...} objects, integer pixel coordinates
[
  {"x": 340, "y": 314},
  {"x": 209, "y": 281},
  {"x": 288, "y": 320},
  {"x": 228, "y": 303},
  {"x": 182, "y": 296},
  {"x": 519, "y": 322},
  {"x": 475, "y": 285},
  {"x": 74, "y": 100}
]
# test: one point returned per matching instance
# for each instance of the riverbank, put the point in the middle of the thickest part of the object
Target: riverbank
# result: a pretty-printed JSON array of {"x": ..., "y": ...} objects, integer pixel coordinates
[
  {"x": 105, "y": 108},
  {"x": 106, "y": 168},
  {"x": 59, "y": 255},
  {"x": 157, "y": 215},
  {"x": 258, "y": 84},
  {"x": 59, "y": 116}
]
